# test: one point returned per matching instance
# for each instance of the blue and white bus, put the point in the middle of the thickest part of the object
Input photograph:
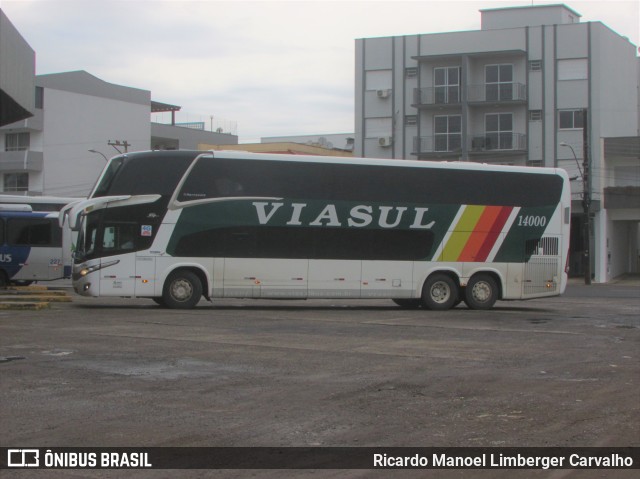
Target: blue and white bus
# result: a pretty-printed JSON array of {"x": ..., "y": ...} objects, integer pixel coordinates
[{"x": 33, "y": 246}]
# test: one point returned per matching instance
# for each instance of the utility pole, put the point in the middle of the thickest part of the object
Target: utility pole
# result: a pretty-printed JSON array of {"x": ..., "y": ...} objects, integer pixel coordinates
[
  {"x": 117, "y": 143},
  {"x": 586, "y": 197}
]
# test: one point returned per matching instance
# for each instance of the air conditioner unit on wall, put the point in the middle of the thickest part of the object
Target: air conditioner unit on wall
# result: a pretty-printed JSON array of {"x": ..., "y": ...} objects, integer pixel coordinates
[
  {"x": 384, "y": 93},
  {"x": 478, "y": 144},
  {"x": 385, "y": 141}
]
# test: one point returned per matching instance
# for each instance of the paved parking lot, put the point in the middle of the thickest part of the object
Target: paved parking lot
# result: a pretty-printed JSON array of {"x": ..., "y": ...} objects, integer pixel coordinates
[{"x": 115, "y": 372}]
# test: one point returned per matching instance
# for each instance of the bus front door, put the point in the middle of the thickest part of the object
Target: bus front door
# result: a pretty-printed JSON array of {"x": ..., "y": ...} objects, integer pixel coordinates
[{"x": 118, "y": 275}]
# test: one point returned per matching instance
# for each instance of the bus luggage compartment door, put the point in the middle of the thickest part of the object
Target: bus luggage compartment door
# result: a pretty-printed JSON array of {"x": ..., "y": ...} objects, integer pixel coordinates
[
  {"x": 387, "y": 279},
  {"x": 335, "y": 278}
]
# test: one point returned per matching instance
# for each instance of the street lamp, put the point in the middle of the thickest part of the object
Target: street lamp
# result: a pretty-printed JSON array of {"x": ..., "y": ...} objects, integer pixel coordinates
[
  {"x": 574, "y": 157},
  {"x": 101, "y": 154}
]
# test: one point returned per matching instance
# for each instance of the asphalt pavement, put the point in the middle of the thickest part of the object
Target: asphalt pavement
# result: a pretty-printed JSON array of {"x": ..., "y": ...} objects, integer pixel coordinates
[{"x": 120, "y": 372}]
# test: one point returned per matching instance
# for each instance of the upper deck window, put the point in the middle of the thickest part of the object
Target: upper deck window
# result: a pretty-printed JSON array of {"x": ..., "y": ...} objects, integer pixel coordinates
[{"x": 233, "y": 178}]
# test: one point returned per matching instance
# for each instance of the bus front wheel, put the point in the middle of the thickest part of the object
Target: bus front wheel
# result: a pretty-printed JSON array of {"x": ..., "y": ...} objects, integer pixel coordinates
[
  {"x": 439, "y": 292},
  {"x": 182, "y": 290},
  {"x": 481, "y": 292}
]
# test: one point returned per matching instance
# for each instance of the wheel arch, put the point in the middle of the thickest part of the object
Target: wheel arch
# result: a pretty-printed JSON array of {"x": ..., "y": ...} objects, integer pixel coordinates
[
  {"x": 196, "y": 269},
  {"x": 451, "y": 272}
]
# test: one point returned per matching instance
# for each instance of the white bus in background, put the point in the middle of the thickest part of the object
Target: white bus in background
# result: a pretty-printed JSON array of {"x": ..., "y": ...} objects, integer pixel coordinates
[
  {"x": 174, "y": 226},
  {"x": 33, "y": 246},
  {"x": 38, "y": 203}
]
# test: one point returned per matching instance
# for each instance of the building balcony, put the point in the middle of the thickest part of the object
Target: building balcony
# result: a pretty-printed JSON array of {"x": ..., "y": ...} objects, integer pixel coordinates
[
  {"x": 449, "y": 146},
  {"x": 483, "y": 94},
  {"x": 436, "y": 96},
  {"x": 25, "y": 160},
  {"x": 439, "y": 146},
  {"x": 497, "y": 93},
  {"x": 622, "y": 197},
  {"x": 34, "y": 123},
  {"x": 498, "y": 143}
]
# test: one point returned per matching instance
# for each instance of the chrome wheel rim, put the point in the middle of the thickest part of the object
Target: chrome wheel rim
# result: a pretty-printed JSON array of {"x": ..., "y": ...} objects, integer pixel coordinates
[
  {"x": 481, "y": 292},
  {"x": 440, "y": 292},
  {"x": 181, "y": 290}
]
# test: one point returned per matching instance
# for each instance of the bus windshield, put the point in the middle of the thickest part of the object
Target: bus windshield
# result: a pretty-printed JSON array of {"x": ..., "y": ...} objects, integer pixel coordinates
[
  {"x": 144, "y": 173},
  {"x": 86, "y": 245},
  {"x": 112, "y": 169}
]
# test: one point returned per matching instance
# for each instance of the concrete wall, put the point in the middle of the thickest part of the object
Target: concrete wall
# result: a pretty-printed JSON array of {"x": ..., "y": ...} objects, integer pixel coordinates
[
  {"x": 17, "y": 74},
  {"x": 75, "y": 123}
]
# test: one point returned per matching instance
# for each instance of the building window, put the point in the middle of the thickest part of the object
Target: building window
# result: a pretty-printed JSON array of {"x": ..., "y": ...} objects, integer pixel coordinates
[
  {"x": 499, "y": 131},
  {"x": 14, "y": 182},
  {"x": 570, "y": 119},
  {"x": 447, "y": 84},
  {"x": 498, "y": 82},
  {"x": 39, "y": 97},
  {"x": 447, "y": 132},
  {"x": 573, "y": 69},
  {"x": 16, "y": 141},
  {"x": 535, "y": 65}
]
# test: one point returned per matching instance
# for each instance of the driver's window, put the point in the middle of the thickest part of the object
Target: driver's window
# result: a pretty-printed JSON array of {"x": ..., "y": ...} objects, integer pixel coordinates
[{"x": 119, "y": 237}]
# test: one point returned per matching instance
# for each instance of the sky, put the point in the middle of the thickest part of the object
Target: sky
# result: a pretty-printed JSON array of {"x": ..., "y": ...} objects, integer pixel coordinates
[{"x": 259, "y": 68}]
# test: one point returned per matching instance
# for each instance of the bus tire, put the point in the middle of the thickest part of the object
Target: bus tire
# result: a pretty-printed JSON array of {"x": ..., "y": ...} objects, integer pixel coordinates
[
  {"x": 440, "y": 292},
  {"x": 481, "y": 292},
  {"x": 182, "y": 290},
  {"x": 4, "y": 280},
  {"x": 159, "y": 301},
  {"x": 406, "y": 303}
]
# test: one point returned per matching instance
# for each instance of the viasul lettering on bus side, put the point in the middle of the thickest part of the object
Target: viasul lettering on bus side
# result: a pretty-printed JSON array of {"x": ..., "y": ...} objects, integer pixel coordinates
[{"x": 359, "y": 216}]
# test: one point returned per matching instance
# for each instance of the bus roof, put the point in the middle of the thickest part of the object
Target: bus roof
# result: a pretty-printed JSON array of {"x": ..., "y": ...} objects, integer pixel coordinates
[
  {"x": 15, "y": 207},
  {"x": 456, "y": 165},
  {"x": 238, "y": 154}
]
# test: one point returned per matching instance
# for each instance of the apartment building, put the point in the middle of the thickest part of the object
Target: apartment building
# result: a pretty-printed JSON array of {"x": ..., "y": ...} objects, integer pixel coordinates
[
  {"x": 518, "y": 91},
  {"x": 79, "y": 122}
]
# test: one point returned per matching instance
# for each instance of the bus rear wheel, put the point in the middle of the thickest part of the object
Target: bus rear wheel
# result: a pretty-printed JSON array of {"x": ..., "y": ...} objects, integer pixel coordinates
[
  {"x": 182, "y": 290},
  {"x": 481, "y": 292},
  {"x": 439, "y": 292}
]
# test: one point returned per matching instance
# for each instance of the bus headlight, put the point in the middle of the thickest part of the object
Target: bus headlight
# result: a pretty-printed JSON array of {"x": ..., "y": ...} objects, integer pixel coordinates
[{"x": 90, "y": 269}]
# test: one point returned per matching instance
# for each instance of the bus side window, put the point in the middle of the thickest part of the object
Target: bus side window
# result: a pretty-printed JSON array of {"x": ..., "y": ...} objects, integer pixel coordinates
[
  {"x": 1, "y": 231},
  {"x": 34, "y": 232}
]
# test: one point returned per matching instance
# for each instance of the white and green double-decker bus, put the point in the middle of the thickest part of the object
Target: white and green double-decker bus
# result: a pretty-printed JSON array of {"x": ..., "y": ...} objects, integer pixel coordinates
[{"x": 174, "y": 226}]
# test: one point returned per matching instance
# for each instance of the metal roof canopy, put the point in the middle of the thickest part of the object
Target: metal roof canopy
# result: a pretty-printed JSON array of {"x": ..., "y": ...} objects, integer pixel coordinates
[{"x": 158, "y": 107}]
